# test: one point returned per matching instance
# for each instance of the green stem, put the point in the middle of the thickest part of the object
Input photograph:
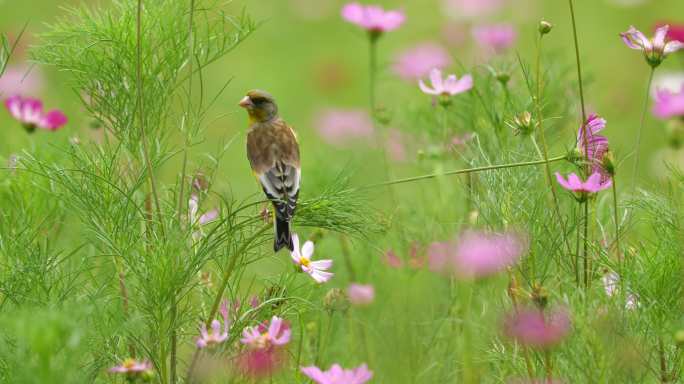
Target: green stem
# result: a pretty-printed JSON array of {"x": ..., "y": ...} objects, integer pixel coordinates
[
  {"x": 545, "y": 151},
  {"x": 586, "y": 244},
  {"x": 617, "y": 227},
  {"x": 462, "y": 171},
  {"x": 641, "y": 128},
  {"x": 577, "y": 59}
]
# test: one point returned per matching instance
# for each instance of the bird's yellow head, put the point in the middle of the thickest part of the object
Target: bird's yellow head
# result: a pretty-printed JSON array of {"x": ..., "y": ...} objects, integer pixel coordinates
[{"x": 260, "y": 106}]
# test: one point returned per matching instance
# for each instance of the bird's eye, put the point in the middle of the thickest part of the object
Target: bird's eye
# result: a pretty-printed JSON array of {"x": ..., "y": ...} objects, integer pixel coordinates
[{"x": 258, "y": 100}]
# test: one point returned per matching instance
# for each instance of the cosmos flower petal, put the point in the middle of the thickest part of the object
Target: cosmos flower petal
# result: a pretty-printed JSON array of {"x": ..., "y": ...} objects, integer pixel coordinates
[
  {"x": 426, "y": 89},
  {"x": 436, "y": 80},
  {"x": 308, "y": 249},
  {"x": 659, "y": 37},
  {"x": 673, "y": 46},
  {"x": 321, "y": 264}
]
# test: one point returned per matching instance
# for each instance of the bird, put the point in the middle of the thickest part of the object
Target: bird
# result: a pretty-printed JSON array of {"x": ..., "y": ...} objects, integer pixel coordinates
[{"x": 273, "y": 154}]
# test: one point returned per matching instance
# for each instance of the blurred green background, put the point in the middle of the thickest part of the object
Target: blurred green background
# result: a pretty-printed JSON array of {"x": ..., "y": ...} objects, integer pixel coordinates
[{"x": 310, "y": 59}]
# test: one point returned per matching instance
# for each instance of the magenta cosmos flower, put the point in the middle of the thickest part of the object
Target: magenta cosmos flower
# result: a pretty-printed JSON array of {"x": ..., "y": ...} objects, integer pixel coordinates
[
  {"x": 337, "y": 375},
  {"x": 595, "y": 147},
  {"x": 534, "y": 328},
  {"x": 133, "y": 368},
  {"x": 360, "y": 294},
  {"x": 656, "y": 49},
  {"x": 498, "y": 37},
  {"x": 340, "y": 126},
  {"x": 446, "y": 87},
  {"x": 216, "y": 335},
  {"x": 481, "y": 254},
  {"x": 302, "y": 259},
  {"x": 583, "y": 188},
  {"x": 259, "y": 337},
  {"x": 373, "y": 18},
  {"x": 29, "y": 112},
  {"x": 669, "y": 104},
  {"x": 418, "y": 61}
]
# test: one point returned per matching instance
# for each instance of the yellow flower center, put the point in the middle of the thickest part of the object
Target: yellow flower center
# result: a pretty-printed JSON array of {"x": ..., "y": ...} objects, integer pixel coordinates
[
  {"x": 128, "y": 363},
  {"x": 304, "y": 261}
]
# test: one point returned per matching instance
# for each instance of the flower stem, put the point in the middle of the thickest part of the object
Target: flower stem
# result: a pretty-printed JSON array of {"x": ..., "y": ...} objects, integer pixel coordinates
[
  {"x": 545, "y": 151},
  {"x": 641, "y": 128},
  {"x": 549, "y": 367},
  {"x": 586, "y": 244},
  {"x": 617, "y": 227},
  {"x": 577, "y": 59},
  {"x": 462, "y": 171},
  {"x": 141, "y": 115},
  {"x": 222, "y": 288}
]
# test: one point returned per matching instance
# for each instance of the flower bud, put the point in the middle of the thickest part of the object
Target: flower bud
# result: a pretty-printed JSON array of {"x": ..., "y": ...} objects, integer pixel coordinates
[
  {"x": 200, "y": 184},
  {"x": 608, "y": 163},
  {"x": 523, "y": 124},
  {"x": 503, "y": 77},
  {"x": 679, "y": 338},
  {"x": 545, "y": 27},
  {"x": 335, "y": 300}
]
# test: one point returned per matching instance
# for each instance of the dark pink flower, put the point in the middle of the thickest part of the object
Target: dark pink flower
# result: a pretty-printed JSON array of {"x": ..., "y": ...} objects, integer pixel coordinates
[
  {"x": 360, "y": 294},
  {"x": 498, "y": 37},
  {"x": 337, "y": 375},
  {"x": 535, "y": 328},
  {"x": 575, "y": 184},
  {"x": 418, "y": 61},
  {"x": 339, "y": 126},
  {"x": 373, "y": 18},
  {"x": 29, "y": 112},
  {"x": 260, "y": 363},
  {"x": 595, "y": 145},
  {"x": 669, "y": 104},
  {"x": 480, "y": 254}
]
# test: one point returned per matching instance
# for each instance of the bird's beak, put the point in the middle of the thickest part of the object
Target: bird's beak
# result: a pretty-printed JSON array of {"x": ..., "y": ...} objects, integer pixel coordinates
[{"x": 245, "y": 102}]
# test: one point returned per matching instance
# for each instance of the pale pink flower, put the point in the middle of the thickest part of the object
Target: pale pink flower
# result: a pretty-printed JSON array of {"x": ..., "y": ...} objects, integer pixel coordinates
[
  {"x": 339, "y": 126},
  {"x": 259, "y": 337},
  {"x": 373, "y": 18},
  {"x": 21, "y": 79},
  {"x": 656, "y": 49},
  {"x": 302, "y": 259},
  {"x": 537, "y": 329},
  {"x": 575, "y": 184},
  {"x": 632, "y": 302},
  {"x": 668, "y": 104},
  {"x": 610, "y": 283},
  {"x": 498, "y": 37},
  {"x": 337, "y": 375},
  {"x": 199, "y": 221},
  {"x": 446, "y": 87},
  {"x": 133, "y": 368},
  {"x": 418, "y": 61},
  {"x": 471, "y": 9},
  {"x": 216, "y": 335},
  {"x": 29, "y": 112},
  {"x": 395, "y": 145},
  {"x": 676, "y": 31},
  {"x": 392, "y": 260},
  {"x": 360, "y": 294},
  {"x": 480, "y": 254}
]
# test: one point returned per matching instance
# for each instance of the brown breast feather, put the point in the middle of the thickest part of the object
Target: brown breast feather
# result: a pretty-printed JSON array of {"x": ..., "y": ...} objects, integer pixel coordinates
[{"x": 270, "y": 142}]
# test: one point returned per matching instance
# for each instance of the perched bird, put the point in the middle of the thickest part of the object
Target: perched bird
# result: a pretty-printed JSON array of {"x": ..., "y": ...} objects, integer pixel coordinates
[{"x": 273, "y": 153}]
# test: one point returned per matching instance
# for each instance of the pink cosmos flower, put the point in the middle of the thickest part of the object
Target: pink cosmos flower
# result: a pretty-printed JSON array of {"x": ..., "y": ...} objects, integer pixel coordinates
[
  {"x": 21, "y": 79},
  {"x": 575, "y": 184},
  {"x": 418, "y": 61},
  {"x": 481, "y": 254},
  {"x": 656, "y": 49},
  {"x": 260, "y": 363},
  {"x": 675, "y": 33},
  {"x": 215, "y": 336},
  {"x": 373, "y": 18},
  {"x": 449, "y": 87},
  {"x": 668, "y": 104},
  {"x": 534, "y": 328},
  {"x": 360, "y": 294},
  {"x": 339, "y": 126},
  {"x": 596, "y": 145},
  {"x": 199, "y": 222},
  {"x": 259, "y": 337},
  {"x": 337, "y": 375},
  {"x": 610, "y": 283},
  {"x": 29, "y": 112},
  {"x": 471, "y": 9},
  {"x": 392, "y": 260},
  {"x": 316, "y": 269},
  {"x": 439, "y": 254},
  {"x": 133, "y": 368},
  {"x": 498, "y": 37}
]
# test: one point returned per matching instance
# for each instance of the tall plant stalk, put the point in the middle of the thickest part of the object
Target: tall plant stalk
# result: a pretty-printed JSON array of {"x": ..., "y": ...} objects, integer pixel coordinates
[
  {"x": 642, "y": 122},
  {"x": 141, "y": 114},
  {"x": 545, "y": 150}
]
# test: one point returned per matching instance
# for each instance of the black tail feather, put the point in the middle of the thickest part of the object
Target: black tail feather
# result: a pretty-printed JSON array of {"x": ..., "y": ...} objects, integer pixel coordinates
[{"x": 282, "y": 235}]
